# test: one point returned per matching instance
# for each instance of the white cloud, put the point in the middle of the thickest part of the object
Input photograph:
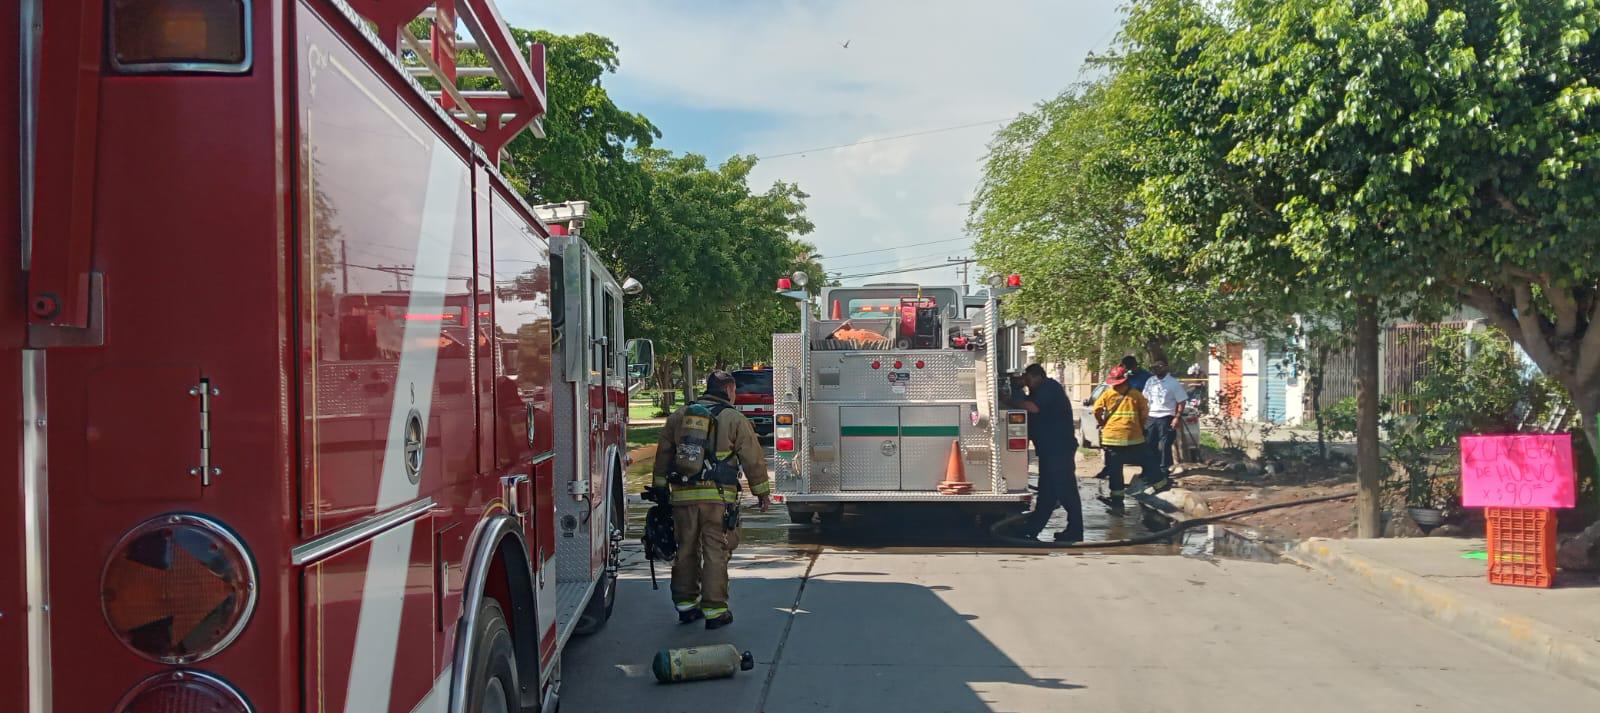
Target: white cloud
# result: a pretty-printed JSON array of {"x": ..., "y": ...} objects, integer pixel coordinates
[{"x": 911, "y": 66}]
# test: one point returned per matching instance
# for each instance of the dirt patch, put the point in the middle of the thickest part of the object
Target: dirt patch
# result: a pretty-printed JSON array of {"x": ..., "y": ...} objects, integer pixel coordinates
[{"x": 1231, "y": 485}]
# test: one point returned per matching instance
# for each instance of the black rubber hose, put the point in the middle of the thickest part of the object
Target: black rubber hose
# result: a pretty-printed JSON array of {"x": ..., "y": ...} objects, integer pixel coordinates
[{"x": 1154, "y": 536}]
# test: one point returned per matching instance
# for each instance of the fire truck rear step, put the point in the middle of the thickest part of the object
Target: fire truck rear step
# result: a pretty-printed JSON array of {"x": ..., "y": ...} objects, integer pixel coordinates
[{"x": 570, "y": 600}]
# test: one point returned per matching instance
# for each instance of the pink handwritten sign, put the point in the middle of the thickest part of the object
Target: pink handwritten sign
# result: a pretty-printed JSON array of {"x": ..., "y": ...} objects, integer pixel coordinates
[{"x": 1519, "y": 471}]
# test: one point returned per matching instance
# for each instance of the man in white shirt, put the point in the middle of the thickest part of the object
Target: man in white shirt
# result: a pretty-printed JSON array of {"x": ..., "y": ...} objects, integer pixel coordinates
[{"x": 1167, "y": 397}]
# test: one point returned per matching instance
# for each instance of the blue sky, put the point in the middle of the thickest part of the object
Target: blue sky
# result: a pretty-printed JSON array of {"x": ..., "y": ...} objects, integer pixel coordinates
[{"x": 770, "y": 77}]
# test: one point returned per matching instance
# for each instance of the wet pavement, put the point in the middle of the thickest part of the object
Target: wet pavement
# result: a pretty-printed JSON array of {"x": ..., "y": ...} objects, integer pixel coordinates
[{"x": 923, "y": 528}]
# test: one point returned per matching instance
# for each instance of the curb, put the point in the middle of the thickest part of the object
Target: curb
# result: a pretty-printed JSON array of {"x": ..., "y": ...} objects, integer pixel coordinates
[{"x": 1534, "y": 642}]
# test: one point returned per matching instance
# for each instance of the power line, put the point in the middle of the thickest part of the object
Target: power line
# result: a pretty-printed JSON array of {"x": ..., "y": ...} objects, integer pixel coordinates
[
  {"x": 913, "y": 134},
  {"x": 897, "y": 247},
  {"x": 934, "y": 266}
]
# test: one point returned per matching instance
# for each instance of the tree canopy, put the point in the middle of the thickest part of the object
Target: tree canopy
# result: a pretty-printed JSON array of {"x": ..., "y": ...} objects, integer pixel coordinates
[
  {"x": 1059, "y": 203},
  {"x": 1423, "y": 153},
  {"x": 705, "y": 244}
]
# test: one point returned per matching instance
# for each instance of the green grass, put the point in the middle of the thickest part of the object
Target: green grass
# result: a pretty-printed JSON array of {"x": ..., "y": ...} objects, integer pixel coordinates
[
  {"x": 643, "y": 436},
  {"x": 642, "y": 410}
]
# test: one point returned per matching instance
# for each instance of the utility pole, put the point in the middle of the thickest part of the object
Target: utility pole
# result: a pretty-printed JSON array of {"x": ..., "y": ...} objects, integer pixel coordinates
[
  {"x": 963, "y": 262},
  {"x": 344, "y": 266}
]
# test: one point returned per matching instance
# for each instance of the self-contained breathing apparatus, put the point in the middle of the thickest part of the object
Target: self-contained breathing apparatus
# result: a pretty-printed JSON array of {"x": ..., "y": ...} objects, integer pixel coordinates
[{"x": 694, "y": 460}]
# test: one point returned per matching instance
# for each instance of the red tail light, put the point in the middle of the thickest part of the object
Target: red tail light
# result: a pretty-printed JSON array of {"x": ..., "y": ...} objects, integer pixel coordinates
[
  {"x": 1017, "y": 444},
  {"x": 183, "y": 692},
  {"x": 784, "y": 445}
]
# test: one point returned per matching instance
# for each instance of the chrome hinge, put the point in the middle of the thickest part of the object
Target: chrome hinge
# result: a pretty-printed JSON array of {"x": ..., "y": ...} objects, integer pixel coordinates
[
  {"x": 205, "y": 391},
  {"x": 578, "y": 487}
]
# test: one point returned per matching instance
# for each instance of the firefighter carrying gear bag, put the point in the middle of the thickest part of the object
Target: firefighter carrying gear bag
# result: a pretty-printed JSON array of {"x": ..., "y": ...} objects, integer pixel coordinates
[{"x": 702, "y": 449}]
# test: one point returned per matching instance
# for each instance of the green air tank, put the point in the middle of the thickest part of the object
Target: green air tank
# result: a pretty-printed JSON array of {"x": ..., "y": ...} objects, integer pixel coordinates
[{"x": 698, "y": 663}]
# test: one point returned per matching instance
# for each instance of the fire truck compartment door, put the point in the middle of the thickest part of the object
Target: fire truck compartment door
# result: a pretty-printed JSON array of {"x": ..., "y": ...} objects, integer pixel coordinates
[
  {"x": 145, "y": 421},
  {"x": 869, "y": 447},
  {"x": 925, "y": 436}
]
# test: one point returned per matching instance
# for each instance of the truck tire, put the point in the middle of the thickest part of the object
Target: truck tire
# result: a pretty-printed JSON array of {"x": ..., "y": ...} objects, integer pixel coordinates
[
  {"x": 830, "y": 518},
  {"x": 492, "y": 683}
]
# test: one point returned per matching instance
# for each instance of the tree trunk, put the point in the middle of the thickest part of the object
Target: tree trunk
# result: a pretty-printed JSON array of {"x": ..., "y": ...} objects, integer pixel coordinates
[
  {"x": 1369, "y": 476},
  {"x": 664, "y": 387},
  {"x": 1319, "y": 368},
  {"x": 1589, "y": 406},
  {"x": 688, "y": 378},
  {"x": 1156, "y": 349}
]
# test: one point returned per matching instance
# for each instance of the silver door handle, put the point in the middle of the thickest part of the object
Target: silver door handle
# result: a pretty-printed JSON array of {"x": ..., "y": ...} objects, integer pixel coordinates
[
  {"x": 511, "y": 491},
  {"x": 888, "y": 447}
]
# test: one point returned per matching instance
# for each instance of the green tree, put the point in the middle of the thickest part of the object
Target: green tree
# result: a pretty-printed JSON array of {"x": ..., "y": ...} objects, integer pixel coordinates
[
  {"x": 709, "y": 251},
  {"x": 705, "y": 246},
  {"x": 1059, "y": 203},
  {"x": 1387, "y": 151}
]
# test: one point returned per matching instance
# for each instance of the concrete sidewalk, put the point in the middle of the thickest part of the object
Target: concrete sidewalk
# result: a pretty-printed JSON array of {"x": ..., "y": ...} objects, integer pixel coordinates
[{"x": 1556, "y": 629}]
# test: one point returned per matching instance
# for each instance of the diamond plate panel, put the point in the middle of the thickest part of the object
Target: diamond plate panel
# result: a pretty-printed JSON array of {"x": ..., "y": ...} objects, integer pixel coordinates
[
  {"x": 572, "y": 553},
  {"x": 947, "y": 375},
  {"x": 991, "y": 381},
  {"x": 822, "y": 473},
  {"x": 924, "y": 450},
  {"x": 869, "y": 447},
  {"x": 785, "y": 366}
]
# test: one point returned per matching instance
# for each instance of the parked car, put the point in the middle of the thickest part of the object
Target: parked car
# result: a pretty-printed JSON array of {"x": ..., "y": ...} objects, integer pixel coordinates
[{"x": 754, "y": 399}]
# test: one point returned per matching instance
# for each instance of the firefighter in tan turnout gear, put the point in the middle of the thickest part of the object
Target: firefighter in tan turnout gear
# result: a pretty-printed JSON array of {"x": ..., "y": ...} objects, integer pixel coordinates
[{"x": 704, "y": 483}]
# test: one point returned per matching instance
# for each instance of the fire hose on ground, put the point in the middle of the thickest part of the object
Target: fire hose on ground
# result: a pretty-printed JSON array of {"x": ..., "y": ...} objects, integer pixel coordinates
[{"x": 1154, "y": 537}]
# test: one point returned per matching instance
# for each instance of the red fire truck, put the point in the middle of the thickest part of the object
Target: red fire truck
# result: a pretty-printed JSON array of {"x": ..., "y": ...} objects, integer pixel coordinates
[{"x": 312, "y": 411}]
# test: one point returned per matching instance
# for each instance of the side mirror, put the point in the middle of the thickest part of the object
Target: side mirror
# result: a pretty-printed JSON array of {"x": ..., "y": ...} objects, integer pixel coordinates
[
  {"x": 631, "y": 286},
  {"x": 641, "y": 358}
]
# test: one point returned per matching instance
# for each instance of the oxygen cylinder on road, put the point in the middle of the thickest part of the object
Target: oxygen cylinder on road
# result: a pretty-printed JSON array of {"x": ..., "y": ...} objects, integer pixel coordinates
[{"x": 698, "y": 663}]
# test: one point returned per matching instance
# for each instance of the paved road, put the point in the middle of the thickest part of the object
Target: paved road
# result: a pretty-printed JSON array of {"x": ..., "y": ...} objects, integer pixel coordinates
[{"x": 841, "y": 629}]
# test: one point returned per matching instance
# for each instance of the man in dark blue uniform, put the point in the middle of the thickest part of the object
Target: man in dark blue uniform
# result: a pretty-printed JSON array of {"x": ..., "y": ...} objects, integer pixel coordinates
[{"x": 1050, "y": 429}]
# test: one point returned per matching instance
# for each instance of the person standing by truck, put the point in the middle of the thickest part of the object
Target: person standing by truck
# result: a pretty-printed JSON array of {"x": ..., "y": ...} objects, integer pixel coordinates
[
  {"x": 1122, "y": 414},
  {"x": 1166, "y": 398},
  {"x": 1050, "y": 429},
  {"x": 705, "y": 495}
]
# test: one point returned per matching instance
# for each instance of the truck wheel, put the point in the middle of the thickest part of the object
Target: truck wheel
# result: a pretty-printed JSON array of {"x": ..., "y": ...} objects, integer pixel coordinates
[
  {"x": 800, "y": 518},
  {"x": 492, "y": 685},
  {"x": 830, "y": 518},
  {"x": 598, "y": 611}
]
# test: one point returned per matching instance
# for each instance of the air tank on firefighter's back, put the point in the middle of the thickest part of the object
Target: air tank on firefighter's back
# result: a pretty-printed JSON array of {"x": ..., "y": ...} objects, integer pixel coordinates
[{"x": 698, "y": 663}]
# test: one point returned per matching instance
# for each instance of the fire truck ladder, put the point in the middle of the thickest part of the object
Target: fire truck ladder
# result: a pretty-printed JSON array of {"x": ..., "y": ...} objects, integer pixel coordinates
[{"x": 490, "y": 117}]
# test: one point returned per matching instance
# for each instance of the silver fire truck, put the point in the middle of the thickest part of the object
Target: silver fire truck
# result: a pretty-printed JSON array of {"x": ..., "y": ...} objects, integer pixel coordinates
[{"x": 870, "y": 401}]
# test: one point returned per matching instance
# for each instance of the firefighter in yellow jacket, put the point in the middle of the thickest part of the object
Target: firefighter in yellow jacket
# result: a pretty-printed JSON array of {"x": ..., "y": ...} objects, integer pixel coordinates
[{"x": 705, "y": 508}]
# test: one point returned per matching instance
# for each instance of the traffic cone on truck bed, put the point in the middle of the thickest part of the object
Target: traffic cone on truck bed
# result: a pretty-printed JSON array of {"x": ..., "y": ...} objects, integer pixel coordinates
[{"x": 955, "y": 473}]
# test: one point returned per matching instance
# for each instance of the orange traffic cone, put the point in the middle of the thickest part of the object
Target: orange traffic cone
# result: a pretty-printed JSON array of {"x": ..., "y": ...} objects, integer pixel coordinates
[
  {"x": 836, "y": 313},
  {"x": 955, "y": 473}
]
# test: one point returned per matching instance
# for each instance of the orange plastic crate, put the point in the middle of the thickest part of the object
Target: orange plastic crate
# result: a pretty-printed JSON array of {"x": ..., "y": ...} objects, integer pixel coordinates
[{"x": 1522, "y": 546}]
